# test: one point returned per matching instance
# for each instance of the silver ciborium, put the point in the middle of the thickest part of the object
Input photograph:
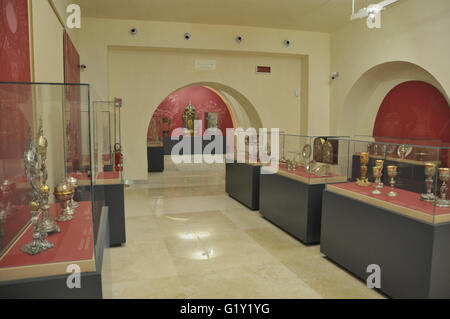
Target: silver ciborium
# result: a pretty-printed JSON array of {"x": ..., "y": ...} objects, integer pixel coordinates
[
  {"x": 430, "y": 171},
  {"x": 377, "y": 171},
  {"x": 444, "y": 174},
  {"x": 74, "y": 183},
  {"x": 64, "y": 194},
  {"x": 392, "y": 173}
]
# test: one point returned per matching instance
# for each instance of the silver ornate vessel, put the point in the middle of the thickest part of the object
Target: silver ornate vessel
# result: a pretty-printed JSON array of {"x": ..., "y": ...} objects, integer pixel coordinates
[
  {"x": 444, "y": 174},
  {"x": 32, "y": 171},
  {"x": 74, "y": 183}
]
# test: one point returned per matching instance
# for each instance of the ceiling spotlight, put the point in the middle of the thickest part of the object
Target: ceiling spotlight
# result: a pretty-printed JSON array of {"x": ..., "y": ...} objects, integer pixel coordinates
[
  {"x": 286, "y": 43},
  {"x": 239, "y": 39},
  {"x": 133, "y": 31},
  {"x": 187, "y": 36}
]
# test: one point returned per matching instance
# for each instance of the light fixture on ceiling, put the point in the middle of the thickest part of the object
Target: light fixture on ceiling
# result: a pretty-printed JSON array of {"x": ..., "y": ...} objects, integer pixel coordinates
[
  {"x": 372, "y": 13},
  {"x": 239, "y": 39},
  {"x": 286, "y": 43},
  {"x": 187, "y": 36},
  {"x": 133, "y": 31}
]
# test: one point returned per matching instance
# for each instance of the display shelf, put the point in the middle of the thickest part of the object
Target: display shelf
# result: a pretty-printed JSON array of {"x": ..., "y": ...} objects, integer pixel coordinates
[
  {"x": 73, "y": 245},
  {"x": 406, "y": 203}
]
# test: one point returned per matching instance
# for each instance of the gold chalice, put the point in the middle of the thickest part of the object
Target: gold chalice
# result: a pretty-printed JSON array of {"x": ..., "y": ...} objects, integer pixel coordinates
[
  {"x": 430, "y": 170},
  {"x": 64, "y": 193},
  {"x": 377, "y": 171},
  {"x": 364, "y": 160},
  {"x": 392, "y": 173},
  {"x": 380, "y": 163},
  {"x": 444, "y": 174}
]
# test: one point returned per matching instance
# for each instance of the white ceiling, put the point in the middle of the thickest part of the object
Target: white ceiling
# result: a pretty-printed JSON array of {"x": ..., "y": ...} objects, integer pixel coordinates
[{"x": 311, "y": 15}]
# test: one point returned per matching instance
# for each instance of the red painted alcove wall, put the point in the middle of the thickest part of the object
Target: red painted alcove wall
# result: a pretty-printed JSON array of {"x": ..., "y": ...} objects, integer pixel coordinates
[
  {"x": 202, "y": 98},
  {"x": 414, "y": 110}
]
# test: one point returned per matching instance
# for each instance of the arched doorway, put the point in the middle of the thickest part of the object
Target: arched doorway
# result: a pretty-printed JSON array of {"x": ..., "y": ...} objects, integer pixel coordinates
[{"x": 215, "y": 106}]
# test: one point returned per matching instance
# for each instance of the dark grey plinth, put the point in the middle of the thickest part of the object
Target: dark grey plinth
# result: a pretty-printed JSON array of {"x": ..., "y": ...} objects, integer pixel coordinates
[
  {"x": 55, "y": 287},
  {"x": 292, "y": 205},
  {"x": 414, "y": 256},
  {"x": 112, "y": 196},
  {"x": 242, "y": 183},
  {"x": 155, "y": 158},
  {"x": 201, "y": 144}
]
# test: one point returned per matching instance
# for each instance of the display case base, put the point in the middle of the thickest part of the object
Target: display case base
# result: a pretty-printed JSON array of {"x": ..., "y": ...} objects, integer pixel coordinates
[
  {"x": 155, "y": 158},
  {"x": 55, "y": 286},
  {"x": 112, "y": 196},
  {"x": 413, "y": 255},
  {"x": 242, "y": 183},
  {"x": 292, "y": 205}
]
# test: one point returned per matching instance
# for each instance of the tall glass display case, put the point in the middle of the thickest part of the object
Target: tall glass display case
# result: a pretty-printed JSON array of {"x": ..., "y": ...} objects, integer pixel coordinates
[
  {"x": 107, "y": 142},
  {"x": 44, "y": 157}
]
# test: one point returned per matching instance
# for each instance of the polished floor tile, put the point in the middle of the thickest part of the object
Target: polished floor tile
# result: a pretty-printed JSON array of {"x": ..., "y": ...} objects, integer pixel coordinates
[{"x": 186, "y": 238}]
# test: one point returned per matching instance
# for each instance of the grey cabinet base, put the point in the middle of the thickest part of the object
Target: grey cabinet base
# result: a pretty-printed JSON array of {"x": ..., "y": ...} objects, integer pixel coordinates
[
  {"x": 242, "y": 183},
  {"x": 414, "y": 257},
  {"x": 292, "y": 205},
  {"x": 155, "y": 159},
  {"x": 112, "y": 196},
  {"x": 55, "y": 287}
]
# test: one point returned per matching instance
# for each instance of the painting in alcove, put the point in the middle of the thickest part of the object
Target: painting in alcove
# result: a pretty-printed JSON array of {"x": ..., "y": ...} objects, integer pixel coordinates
[{"x": 210, "y": 108}]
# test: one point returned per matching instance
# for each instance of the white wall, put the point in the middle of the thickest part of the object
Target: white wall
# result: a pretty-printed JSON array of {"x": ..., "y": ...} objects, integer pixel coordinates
[
  {"x": 413, "y": 31},
  {"x": 97, "y": 35}
]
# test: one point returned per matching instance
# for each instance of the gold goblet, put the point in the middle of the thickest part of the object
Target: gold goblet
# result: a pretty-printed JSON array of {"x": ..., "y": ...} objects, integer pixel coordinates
[
  {"x": 364, "y": 160},
  {"x": 64, "y": 193},
  {"x": 380, "y": 163},
  {"x": 444, "y": 174},
  {"x": 392, "y": 173},
  {"x": 430, "y": 170},
  {"x": 377, "y": 175}
]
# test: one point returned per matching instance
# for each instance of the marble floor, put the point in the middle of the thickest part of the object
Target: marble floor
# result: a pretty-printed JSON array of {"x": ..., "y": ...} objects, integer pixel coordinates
[{"x": 186, "y": 238}]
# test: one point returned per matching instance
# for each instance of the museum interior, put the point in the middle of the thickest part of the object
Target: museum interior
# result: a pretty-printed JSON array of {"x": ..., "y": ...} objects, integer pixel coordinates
[{"x": 231, "y": 149}]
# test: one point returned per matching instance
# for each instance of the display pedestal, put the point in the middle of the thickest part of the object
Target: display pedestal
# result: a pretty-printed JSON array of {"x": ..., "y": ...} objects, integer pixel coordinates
[
  {"x": 108, "y": 191},
  {"x": 413, "y": 255},
  {"x": 242, "y": 183},
  {"x": 49, "y": 279},
  {"x": 155, "y": 158},
  {"x": 292, "y": 205}
]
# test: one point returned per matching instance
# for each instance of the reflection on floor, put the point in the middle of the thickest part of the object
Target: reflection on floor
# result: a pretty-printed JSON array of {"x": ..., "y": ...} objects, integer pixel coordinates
[{"x": 187, "y": 239}]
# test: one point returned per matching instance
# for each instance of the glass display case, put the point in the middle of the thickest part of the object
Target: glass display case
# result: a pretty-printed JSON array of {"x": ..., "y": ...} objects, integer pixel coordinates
[
  {"x": 311, "y": 159},
  {"x": 107, "y": 150},
  {"x": 47, "y": 217},
  {"x": 407, "y": 176}
]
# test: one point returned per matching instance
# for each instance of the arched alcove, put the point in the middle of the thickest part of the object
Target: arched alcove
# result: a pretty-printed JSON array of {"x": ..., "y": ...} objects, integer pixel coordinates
[
  {"x": 242, "y": 111},
  {"x": 363, "y": 101}
]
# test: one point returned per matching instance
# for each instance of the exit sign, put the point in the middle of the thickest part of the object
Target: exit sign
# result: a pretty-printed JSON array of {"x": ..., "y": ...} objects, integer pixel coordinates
[{"x": 263, "y": 69}]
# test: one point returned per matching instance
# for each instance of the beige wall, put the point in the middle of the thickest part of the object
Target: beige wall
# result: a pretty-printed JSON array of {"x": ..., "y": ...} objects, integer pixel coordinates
[
  {"x": 413, "y": 31},
  {"x": 97, "y": 35},
  {"x": 144, "y": 78}
]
